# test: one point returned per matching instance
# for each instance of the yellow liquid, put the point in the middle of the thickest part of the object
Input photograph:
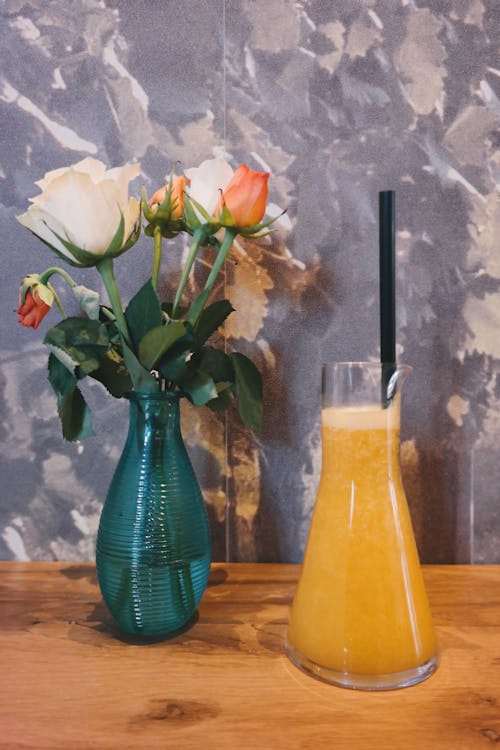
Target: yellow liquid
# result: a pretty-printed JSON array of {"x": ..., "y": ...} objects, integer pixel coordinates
[{"x": 361, "y": 605}]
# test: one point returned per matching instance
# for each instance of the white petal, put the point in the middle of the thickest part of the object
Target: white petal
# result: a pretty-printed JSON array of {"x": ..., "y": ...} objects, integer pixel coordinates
[
  {"x": 207, "y": 181},
  {"x": 35, "y": 220},
  {"x": 122, "y": 176},
  {"x": 131, "y": 215},
  {"x": 88, "y": 212}
]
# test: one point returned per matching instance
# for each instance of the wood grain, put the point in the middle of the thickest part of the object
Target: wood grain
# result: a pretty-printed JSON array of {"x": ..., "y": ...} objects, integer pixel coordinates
[{"x": 71, "y": 682}]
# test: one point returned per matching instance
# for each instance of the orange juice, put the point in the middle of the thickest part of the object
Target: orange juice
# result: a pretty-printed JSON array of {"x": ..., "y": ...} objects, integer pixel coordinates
[{"x": 361, "y": 606}]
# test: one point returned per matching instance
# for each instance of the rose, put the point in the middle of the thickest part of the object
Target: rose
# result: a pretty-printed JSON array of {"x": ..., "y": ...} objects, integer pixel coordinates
[
  {"x": 176, "y": 197},
  {"x": 84, "y": 213},
  {"x": 35, "y": 301},
  {"x": 245, "y": 196},
  {"x": 214, "y": 185},
  {"x": 207, "y": 181}
]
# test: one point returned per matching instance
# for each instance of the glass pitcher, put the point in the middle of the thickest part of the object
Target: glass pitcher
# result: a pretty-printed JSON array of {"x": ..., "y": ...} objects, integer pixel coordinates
[{"x": 360, "y": 617}]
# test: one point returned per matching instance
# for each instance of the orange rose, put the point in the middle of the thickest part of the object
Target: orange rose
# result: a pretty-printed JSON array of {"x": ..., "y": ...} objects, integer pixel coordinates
[
  {"x": 245, "y": 196},
  {"x": 176, "y": 196},
  {"x": 34, "y": 309}
]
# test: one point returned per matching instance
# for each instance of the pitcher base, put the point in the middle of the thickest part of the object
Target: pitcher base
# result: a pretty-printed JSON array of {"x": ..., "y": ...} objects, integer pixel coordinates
[{"x": 354, "y": 681}]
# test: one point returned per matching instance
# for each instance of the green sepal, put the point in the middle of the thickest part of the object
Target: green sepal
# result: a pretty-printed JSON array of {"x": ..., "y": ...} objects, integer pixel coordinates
[
  {"x": 248, "y": 391},
  {"x": 143, "y": 313},
  {"x": 213, "y": 224},
  {"x": 84, "y": 259},
  {"x": 157, "y": 341}
]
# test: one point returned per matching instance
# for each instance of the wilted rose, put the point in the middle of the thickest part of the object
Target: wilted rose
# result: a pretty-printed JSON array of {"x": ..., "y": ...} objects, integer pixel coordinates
[
  {"x": 35, "y": 301},
  {"x": 83, "y": 206}
]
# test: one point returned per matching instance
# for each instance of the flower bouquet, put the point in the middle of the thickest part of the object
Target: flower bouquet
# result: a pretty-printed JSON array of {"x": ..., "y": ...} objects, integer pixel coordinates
[
  {"x": 84, "y": 214},
  {"x": 153, "y": 545}
]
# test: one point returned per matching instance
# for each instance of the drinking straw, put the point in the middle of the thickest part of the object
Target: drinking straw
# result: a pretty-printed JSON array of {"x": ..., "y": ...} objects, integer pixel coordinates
[{"x": 387, "y": 285}]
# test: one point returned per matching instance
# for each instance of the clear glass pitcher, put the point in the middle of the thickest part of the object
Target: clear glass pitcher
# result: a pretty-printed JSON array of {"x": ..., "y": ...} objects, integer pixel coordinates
[{"x": 360, "y": 617}]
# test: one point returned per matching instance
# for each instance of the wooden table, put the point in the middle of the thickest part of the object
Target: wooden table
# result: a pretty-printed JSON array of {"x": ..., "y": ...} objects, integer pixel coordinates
[{"x": 69, "y": 683}]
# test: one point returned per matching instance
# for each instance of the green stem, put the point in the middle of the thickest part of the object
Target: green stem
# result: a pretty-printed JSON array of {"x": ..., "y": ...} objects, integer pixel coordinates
[
  {"x": 57, "y": 300},
  {"x": 45, "y": 276},
  {"x": 199, "y": 238},
  {"x": 221, "y": 257},
  {"x": 105, "y": 268},
  {"x": 156, "y": 256}
]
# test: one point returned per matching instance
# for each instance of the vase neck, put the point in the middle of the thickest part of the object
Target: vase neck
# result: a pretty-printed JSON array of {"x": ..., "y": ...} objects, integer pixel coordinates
[{"x": 156, "y": 413}]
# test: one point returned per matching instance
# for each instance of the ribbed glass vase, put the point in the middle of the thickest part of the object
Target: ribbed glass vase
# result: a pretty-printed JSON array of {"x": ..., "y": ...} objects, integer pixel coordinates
[{"x": 153, "y": 544}]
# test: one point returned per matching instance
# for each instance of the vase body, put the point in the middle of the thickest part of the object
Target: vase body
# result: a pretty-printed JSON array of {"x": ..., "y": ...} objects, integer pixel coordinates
[
  {"x": 153, "y": 545},
  {"x": 360, "y": 616}
]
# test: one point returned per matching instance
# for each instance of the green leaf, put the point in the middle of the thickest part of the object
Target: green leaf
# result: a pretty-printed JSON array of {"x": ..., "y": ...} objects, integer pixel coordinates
[
  {"x": 113, "y": 374},
  {"x": 215, "y": 363},
  {"x": 88, "y": 300},
  {"x": 200, "y": 388},
  {"x": 173, "y": 365},
  {"x": 143, "y": 313},
  {"x": 61, "y": 379},
  {"x": 224, "y": 398},
  {"x": 211, "y": 318},
  {"x": 78, "y": 343},
  {"x": 157, "y": 341},
  {"x": 248, "y": 391},
  {"x": 75, "y": 416},
  {"x": 142, "y": 379}
]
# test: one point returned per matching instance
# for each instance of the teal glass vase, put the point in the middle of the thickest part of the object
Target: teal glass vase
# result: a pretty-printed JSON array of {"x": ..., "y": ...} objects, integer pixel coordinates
[{"x": 153, "y": 545}]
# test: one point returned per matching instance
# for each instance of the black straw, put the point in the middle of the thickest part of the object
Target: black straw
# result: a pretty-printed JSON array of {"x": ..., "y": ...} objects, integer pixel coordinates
[{"x": 387, "y": 283}]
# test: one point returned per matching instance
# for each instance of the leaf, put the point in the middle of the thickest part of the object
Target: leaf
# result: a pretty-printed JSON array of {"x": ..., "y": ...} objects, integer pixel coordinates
[
  {"x": 224, "y": 398},
  {"x": 61, "y": 379},
  {"x": 157, "y": 341},
  {"x": 200, "y": 388},
  {"x": 143, "y": 313},
  {"x": 78, "y": 343},
  {"x": 215, "y": 363},
  {"x": 88, "y": 300},
  {"x": 211, "y": 318},
  {"x": 71, "y": 406},
  {"x": 113, "y": 374},
  {"x": 75, "y": 416},
  {"x": 142, "y": 379},
  {"x": 248, "y": 391},
  {"x": 173, "y": 365}
]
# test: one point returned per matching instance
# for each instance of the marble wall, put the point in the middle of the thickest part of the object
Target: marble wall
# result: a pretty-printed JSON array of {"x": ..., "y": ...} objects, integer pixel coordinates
[{"x": 338, "y": 99}]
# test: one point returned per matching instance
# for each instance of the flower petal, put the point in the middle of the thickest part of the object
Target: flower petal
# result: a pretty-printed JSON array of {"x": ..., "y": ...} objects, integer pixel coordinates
[{"x": 207, "y": 181}]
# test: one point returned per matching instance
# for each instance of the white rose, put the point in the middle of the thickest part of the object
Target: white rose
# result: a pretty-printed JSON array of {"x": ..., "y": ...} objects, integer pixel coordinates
[
  {"x": 83, "y": 204},
  {"x": 207, "y": 181}
]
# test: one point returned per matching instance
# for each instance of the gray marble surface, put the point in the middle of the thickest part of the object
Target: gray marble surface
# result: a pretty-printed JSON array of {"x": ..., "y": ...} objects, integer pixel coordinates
[{"x": 338, "y": 99}]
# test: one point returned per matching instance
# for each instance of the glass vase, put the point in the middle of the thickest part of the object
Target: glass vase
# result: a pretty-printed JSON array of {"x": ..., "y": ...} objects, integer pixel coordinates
[
  {"x": 360, "y": 617},
  {"x": 153, "y": 545}
]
